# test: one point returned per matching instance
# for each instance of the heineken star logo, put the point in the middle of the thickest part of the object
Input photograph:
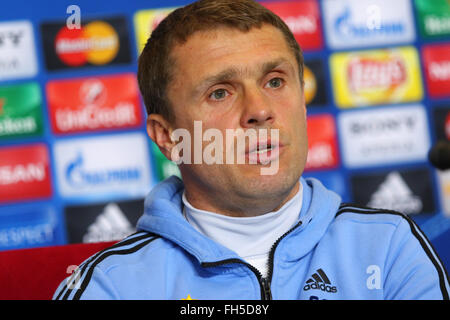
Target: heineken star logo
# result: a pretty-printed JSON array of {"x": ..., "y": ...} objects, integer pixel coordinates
[{"x": 2, "y": 103}]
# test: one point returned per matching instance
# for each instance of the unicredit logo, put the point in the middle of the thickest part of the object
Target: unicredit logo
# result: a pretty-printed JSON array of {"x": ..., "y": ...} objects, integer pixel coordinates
[
  {"x": 92, "y": 104},
  {"x": 93, "y": 113}
]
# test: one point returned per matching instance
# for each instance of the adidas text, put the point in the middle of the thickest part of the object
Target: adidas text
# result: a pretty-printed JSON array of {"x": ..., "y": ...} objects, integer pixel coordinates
[{"x": 322, "y": 286}]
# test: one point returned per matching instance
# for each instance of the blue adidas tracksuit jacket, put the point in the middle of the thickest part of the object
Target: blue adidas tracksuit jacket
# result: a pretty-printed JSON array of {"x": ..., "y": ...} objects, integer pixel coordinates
[{"x": 335, "y": 251}]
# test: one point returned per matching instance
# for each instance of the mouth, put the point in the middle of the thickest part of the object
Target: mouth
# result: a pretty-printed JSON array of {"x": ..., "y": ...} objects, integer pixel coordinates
[{"x": 263, "y": 152}]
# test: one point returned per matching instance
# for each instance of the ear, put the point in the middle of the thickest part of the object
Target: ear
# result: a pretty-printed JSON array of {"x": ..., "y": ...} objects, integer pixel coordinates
[{"x": 160, "y": 131}]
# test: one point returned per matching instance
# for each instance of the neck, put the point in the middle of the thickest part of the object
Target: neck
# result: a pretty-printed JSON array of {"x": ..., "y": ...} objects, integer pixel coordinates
[{"x": 237, "y": 207}]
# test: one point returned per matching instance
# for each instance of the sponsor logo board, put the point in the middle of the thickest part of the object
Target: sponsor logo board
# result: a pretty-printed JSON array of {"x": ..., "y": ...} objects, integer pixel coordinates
[
  {"x": 303, "y": 19},
  {"x": 93, "y": 104},
  {"x": 20, "y": 111},
  {"x": 28, "y": 226},
  {"x": 442, "y": 122},
  {"x": 367, "y": 23},
  {"x": 24, "y": 173},
  {"x": 322, "y": 143},
  {"x": 374, "y": 77},
  {"x": 17, "y": 50},
  {"x": 164, "y": 167},
  {"x": 433, "y": 17},
  {"x": 145, "y": 21},
  {"x": 100, "y": 42},
  {"x": 436, "y": 59},
  {"x": 332, "y": 180},
  {"x": 406, "y": 191},
  {"x": 114, "y": 165},
  {"x": 384, "y": 135},
  {"x": 443, "y": 178},
  {"x": 102, "y": 222},
  {"x": 315, "y": 83}
]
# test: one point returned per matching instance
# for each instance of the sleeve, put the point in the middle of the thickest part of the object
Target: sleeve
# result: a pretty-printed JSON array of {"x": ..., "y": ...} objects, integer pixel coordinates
[
  {"x": 92, "y": 285},
  {"x": 414, "y": 270}
]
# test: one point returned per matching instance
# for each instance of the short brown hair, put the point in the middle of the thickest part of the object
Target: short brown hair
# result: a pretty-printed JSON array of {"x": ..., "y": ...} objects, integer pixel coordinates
[{"x": 155, "y": 62}]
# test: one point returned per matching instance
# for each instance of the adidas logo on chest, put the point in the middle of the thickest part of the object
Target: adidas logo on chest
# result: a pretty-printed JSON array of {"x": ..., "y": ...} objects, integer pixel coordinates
[{"x": 319, "y": 281}]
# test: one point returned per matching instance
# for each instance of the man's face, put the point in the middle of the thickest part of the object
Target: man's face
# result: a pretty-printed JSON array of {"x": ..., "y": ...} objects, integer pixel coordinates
[{"x": 228, "y": 79}]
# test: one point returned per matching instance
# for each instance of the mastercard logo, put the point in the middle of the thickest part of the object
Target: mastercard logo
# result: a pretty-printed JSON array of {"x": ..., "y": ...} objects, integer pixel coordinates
[
  {"x": 96, "y": 43},
  {"x": 447, "y": 126},
  {"x": 310, "y": 84}
]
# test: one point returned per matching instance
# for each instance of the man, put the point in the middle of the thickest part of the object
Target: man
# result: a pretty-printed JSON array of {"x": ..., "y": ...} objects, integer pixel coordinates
[{"x": 228, "y": 231}]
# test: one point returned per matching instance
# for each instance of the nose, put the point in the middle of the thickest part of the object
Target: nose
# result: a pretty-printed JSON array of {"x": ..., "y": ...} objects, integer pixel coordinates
[{"x": 257, "y": 110}]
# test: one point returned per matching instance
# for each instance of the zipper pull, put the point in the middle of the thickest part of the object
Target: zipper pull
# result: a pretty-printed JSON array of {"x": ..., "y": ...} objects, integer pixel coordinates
[{"x": 267, "y": 293}]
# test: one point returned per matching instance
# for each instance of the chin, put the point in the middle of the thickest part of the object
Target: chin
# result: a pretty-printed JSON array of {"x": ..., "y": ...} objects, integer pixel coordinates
[{"x": 268, "y": 186}]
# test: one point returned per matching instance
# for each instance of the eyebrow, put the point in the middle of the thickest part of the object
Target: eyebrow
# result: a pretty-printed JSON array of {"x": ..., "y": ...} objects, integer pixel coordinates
[{"x": 230, "y": 73}]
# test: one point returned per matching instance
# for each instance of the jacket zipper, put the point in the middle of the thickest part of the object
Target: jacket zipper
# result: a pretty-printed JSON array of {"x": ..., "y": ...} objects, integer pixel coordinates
[
  {"x": 264, "y": 283},
  {"x": 274, "y": 246},
  {"x": 266, "y": 291}
]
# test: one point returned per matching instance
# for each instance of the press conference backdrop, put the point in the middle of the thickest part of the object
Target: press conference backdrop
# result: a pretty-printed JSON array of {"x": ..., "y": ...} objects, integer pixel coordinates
[{"x": 75, "y": 161}]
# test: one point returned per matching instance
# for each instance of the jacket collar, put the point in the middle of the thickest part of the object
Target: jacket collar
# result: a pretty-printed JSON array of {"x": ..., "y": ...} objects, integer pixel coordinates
[{"x": 163, "y": 215}]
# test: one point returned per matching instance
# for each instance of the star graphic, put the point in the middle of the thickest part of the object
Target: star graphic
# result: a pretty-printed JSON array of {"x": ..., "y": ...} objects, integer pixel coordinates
[
  {"x": 2, "y": 104},
  {"x": 188, "y": 298}
]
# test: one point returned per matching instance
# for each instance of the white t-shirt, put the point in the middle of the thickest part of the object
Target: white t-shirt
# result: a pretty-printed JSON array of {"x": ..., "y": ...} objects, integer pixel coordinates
[{"x": 250, "y": 237}]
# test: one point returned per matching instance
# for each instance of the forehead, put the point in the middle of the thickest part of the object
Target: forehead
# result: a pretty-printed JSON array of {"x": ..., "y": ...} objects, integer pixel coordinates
[{"x": 209, "y": 52}]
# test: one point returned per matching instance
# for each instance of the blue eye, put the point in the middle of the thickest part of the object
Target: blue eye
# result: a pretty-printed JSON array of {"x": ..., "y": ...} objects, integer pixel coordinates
[
  {"x": 275, "y": 82},
  {"x": 218, "y": 94}
]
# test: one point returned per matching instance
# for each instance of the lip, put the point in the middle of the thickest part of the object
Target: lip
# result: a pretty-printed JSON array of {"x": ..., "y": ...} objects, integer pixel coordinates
[{"x": 252, "y": 157}]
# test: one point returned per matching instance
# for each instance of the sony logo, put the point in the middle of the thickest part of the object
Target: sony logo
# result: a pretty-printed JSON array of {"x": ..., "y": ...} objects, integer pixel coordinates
[{"x": 11, "y": 38}]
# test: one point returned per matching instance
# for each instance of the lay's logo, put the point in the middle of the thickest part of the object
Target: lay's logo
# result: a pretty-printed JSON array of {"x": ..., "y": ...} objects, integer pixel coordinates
[
  {"x": 373, "y": 74},
  {"x": 376, "y": 77},
  {"x": 97, "y": 43}
]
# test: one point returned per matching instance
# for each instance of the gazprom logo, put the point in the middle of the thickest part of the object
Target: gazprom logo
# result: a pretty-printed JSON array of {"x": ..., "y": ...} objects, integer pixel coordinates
[
  {"x": 373, "y": 26},
  {"x": 117, "y": 164},
  {"x": 78, "y": 176},
  {"x": 367, "y": 23}
]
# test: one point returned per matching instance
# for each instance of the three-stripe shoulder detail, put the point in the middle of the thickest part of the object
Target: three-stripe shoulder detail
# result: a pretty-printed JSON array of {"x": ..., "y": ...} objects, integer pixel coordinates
[
  {"x": 416, "y": 231},
  {"x": 349, "y": 207},
  {"x": 78, "y": 282}
]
